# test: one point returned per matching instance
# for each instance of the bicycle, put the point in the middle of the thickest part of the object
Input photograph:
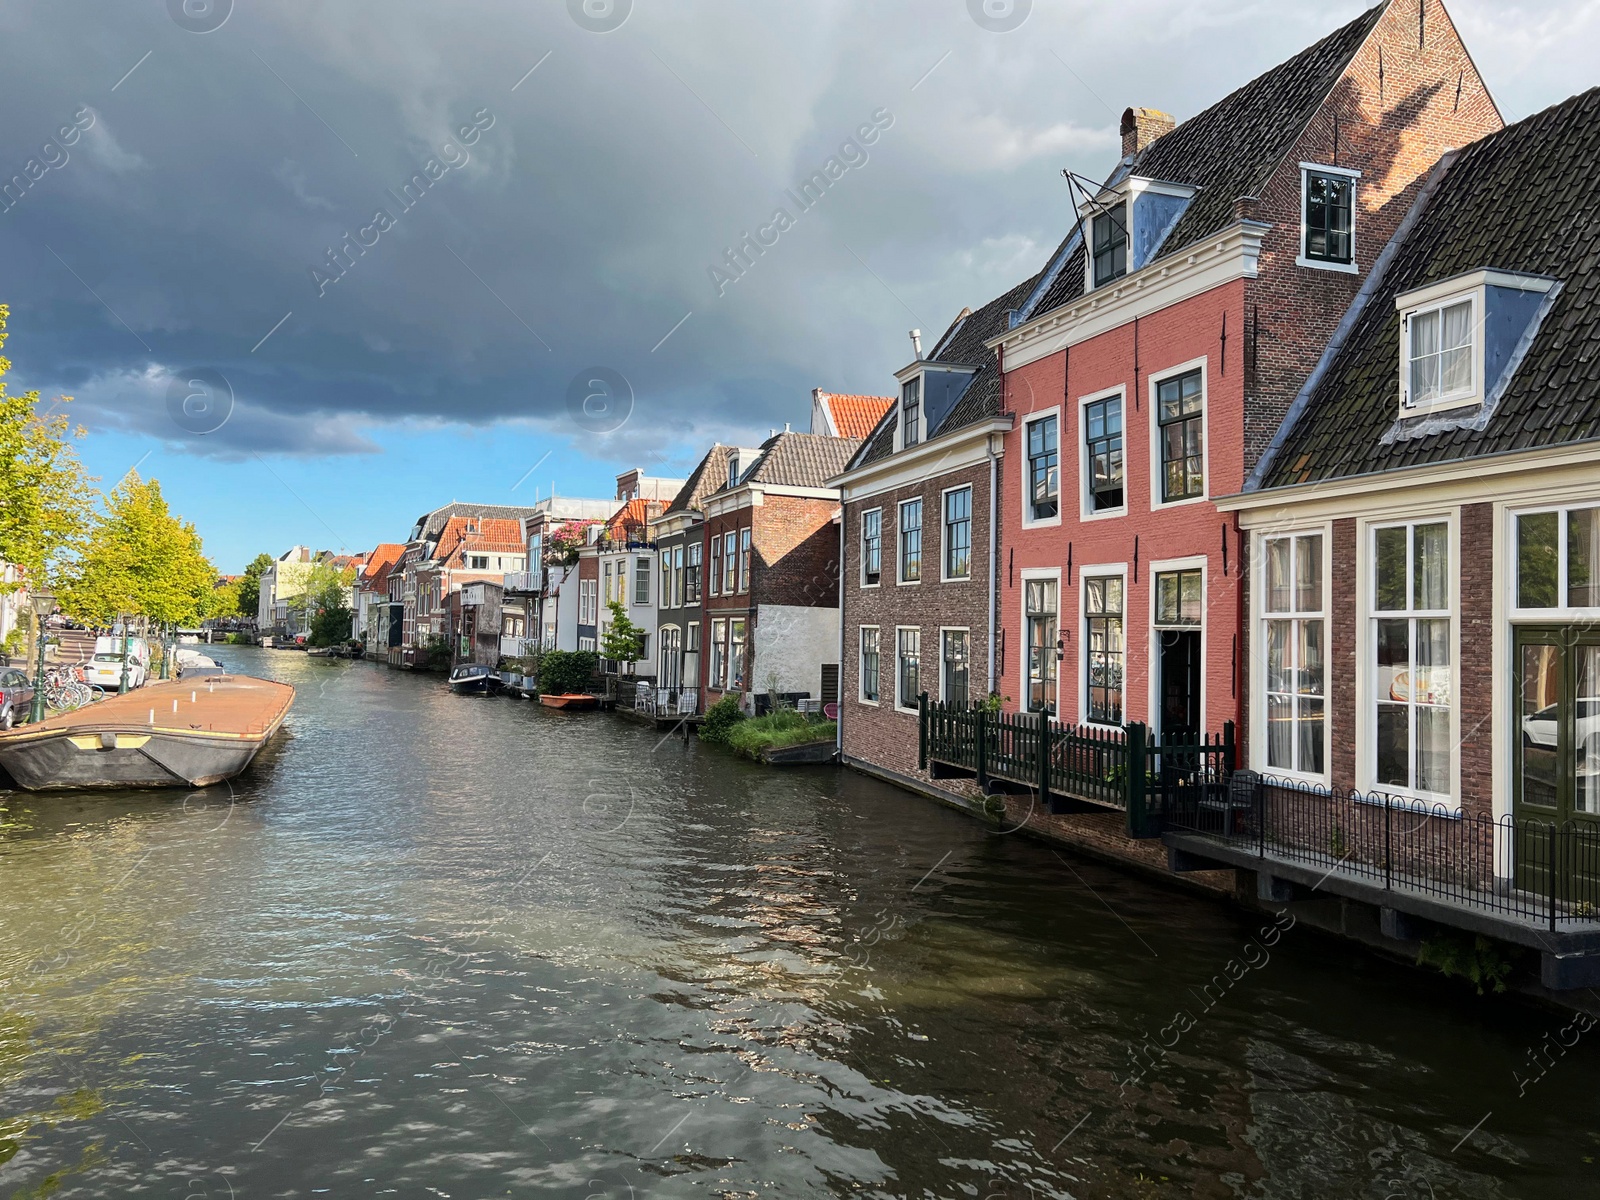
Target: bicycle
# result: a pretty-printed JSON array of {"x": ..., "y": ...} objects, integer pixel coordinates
[{"x": 65, "y": 689}]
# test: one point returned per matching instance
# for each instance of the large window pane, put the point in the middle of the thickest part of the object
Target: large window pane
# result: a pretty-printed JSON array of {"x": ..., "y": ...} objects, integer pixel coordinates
[
  {"x": 1394, "y": 745},
  {"x": 1278, "y": 650},
  {"x": 1394, "y": 660},
  {"x": 1433, "y": 749},
  {"x": 1308, "y": 573},
  {"x": 1391, "y": 570},
  {"x": 1583, "y": 558},
  {"x": 1280, "y": 732},
  {"x": 1539, "y": 677},
  {"x": 1431, "y": 575},
  {"x": 1309, "y": 680},
  {"x": 1279, "y": 597},
  {"x": 1538, "y": 560},
  {"x": 1311, "y": 736},
  {"x": 1586, "y": 731}
]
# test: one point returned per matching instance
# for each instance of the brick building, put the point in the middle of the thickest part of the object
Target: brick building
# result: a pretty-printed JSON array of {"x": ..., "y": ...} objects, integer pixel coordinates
[
  {"x": 772, "y": 558},
  {"x": 1154, "y": 360},
  {"x": 1430, "y": 513},
  {"x": 920, "y": 565}
]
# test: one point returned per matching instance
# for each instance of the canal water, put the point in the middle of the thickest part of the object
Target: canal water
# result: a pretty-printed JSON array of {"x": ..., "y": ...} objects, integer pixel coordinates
[{"x": 465, "y": 947}]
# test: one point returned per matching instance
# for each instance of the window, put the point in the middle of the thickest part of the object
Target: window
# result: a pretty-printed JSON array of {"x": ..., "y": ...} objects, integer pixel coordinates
[
  {"x": 665, "y": 575},
  {"x": 871, "y": 547},
  {"x": 958, "y": 533},
  {"x": 477, "y": 562},
  {"x": 908, "y": 669},
  {"x": 641, "y": 579},
  {"x": 911, "y": 412},
  {"x": 910, "y": 541},
  {"x": 1294, "y": 632},
  {"x": 586, "y": 601},
  {"x": 691, "y": 642},
  {"x": 1102, "y": 443},
  {"x": 605, "y": 574},
  {"x": 1329, "y": 216},
  {"x": 733, "y": 471},
  {"x": 677, "y": 577},
  {"x": 744, "y": 559},
  {"x": 670, "y": 672},
  {"x": 1181, "y": 425},
  {"x": 730, "y": 561},
  {"x": 869, "y": 663},
  {"x": 1411, "y": 648},
  {"x": 955, "y": 667},
  {"x": 1040, "y": 601},
  {"x": 1178, "y": 598},
  {"x": 535, "y": 546},
  {"x": 735, "y": 653},
  {"x": 1102, "y": 607},
  {"x": 1439, "y": 354},
  {"x": 1044, "y": 469},
  {"x": 586, "y": 643},
  {"x": 719, "y": 654},
  {"x": 716, "y": 564},
  {"x": 691, "y": 577},
  {"x": 1558, "y": 559},
  {"x": 1110, "y": 245}
]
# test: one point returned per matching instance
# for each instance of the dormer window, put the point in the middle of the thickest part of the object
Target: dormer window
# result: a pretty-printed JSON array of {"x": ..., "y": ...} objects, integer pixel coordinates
[
  {"x": 1439, "y": 355},
  {"x": 1328, "y": 211},
  {"x": 733, "y": 471},
  {"x": 1111, "y": 245},
  {"x": 910, "y": 412}
]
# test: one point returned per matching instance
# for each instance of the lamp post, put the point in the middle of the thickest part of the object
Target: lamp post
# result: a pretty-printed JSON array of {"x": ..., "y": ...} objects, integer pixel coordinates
[
  {"x": 122, "y": 687},
  {"x": 166, "y": 655},
  {"x": 44, "y": 603}
]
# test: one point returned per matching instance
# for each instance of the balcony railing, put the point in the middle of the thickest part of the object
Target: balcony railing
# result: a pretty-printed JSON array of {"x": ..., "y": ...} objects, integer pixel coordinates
[
  {"x": 524, "y": 583},
  {"x": 666, "y": 701}
]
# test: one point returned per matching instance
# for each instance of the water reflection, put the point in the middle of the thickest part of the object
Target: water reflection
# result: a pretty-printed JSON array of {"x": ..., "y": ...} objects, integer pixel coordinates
[{"x": 449, "y": 945}]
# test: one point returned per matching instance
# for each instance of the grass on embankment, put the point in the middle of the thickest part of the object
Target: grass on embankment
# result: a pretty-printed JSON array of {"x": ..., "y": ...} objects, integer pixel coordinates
[{"x": 776, "y": 731}]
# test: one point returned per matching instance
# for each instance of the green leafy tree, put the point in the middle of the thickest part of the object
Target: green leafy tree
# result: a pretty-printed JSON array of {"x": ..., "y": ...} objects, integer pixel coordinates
[
  {"x": 622, "y": 641},
  {"x": 325, "y": 603},
  {"x": 248, "y": 601},
  {"x": 566, "y": 672},
  {"x": 140, "y": 559}
]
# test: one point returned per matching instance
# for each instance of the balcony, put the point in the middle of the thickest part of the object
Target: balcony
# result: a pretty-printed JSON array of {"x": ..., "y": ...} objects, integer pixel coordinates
[
  {"x": 656, "y": 701},
  {"x": 524, "y": 583}
]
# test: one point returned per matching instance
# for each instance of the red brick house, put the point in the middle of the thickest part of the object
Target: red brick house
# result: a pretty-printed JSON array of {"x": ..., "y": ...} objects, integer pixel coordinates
[
  {"x": 771, "y": 595},
  {"x": 920, "y": 567},
  {"x": 1157, "y": 355}
]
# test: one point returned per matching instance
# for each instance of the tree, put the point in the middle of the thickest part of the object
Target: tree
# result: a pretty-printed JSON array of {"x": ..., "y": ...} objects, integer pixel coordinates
[
  {"x": 249, "y": 586},
  {"x": 621, "y": 641},
  {"x": 140, "y": 559},
  {"x": 45, "y": 500},
  {"x": 326, "y": 601},
  {"x": 224, "y": 600}
]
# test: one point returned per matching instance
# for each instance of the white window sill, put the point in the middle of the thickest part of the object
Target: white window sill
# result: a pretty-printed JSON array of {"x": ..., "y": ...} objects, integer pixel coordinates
[
  {"x": 955, "y": 579},
  {"x": 1107, "y": 514},
  {"x": 1158, "y": 505},
  {"x": 1442, "y": 405},
  {"x": 1317, "y": 264},
  {"x": 865, "y": 701},
  {"x": 868, "y": 586},
  {"x": 1042, "y": 522},
  {"x": 908, "y": 583},
  {"x": 1417, "y": 802}
]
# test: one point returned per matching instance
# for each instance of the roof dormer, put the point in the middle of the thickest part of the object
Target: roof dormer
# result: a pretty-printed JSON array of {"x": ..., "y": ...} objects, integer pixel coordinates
[
  {"x": 1125, "y": 225},
  {"x": 928, "y": 391}
]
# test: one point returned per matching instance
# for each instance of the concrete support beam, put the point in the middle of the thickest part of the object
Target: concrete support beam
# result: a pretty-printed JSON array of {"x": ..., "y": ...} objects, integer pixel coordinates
[
  {"x": 1271, "y": 888},
  {"x": 1402, "y": 927},
  {"x": 1563, "y": 972}
]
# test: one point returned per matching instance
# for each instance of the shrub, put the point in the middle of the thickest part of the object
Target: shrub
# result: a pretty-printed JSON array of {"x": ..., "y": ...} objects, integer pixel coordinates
[
  {"x": 777, "y": 730},
  {"x": 565, "y": 672},
  {"x": 1477, "y": 960},
  {"x": 721, "y": 717}
]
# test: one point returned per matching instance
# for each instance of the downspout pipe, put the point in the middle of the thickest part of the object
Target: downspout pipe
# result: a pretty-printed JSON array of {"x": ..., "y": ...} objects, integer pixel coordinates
[
  {"x": 994, "y": 529},
  {"x": 838, "y": 725}
]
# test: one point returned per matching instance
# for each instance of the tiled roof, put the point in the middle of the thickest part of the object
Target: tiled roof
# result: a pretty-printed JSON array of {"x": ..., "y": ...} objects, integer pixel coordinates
[
  {"x": 430, "y": 525},
  {"x": 381, "y": 561},
  {"x": 485, "y": 535},
  {"x": 1231, "y": 149},
  {"x": 1525, "y": 199},
  {"x": 711, "y": 474},
  {"x": 855, "y": 416},
  {"x": 800, "y": 460},
  {"x": 631, "y": 518}
]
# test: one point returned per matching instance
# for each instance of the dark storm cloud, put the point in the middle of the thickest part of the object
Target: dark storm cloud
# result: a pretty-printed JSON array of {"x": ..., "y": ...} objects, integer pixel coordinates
[{"x": 373, "y": 210}]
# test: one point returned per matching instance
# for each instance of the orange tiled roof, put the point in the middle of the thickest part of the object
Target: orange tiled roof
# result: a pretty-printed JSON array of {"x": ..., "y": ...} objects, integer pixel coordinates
[
  {"x": 486, "y": 535},
  {"x": 631, "y": 518},
  {"x": 856, "y": 416},
  {"x": 382, "y": 560}
]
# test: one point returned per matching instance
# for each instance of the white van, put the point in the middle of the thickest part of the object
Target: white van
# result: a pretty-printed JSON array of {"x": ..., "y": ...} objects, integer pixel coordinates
[{"x": 104, "y": 670}]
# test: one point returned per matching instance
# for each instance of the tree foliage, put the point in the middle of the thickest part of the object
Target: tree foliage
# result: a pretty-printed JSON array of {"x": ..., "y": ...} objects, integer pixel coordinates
[
  {"x": 140, "y": 559},
  {"x": 566, "y": 672},
  {"x": 249, "y": 586},
  {"x": 621, "y": 641},
  {"x": 46, "y": 503},
  {"x": 326, "y": 601}
]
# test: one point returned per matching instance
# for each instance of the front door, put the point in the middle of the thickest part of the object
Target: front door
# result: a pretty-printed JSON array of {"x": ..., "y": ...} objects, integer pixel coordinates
[
  {"x": 1179, "y": 609},
  {"x": 1556, "y": 785}
]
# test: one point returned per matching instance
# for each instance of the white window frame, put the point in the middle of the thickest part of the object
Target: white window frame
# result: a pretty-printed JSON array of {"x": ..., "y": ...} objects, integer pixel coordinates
[
  {"x": 1157, "y": 466},
  {"x": 900, "y": 542},
  {"x": 1168, "y": 566},
  {"x": 1473, "y": 395},
  {"x": 861, "y": 548},
  {"x": 664, "y": 642},
  {"x": 1081, "y": 636},
  {"x": 746, "y": 544},
  {"x": 944, "y": 540},
  {"x": 1085, "y": 512},
  {"x": 1352, "y": 267},
  {"x": 589, "y": 644},
  {"x": 717, "y": 668},
  {"x": 922, "y": 412},
  {"x": 944, "y": 682},
  {"x": 1123, "y": 200},
  {"x": 1564, "y": 612},
  {"x": 1366, "y": 659},
  {"x": 1026, "y": 490},
  {"x": 1259, "y": 616},
  {"x": 861, "y": 675},
  {"x": 900, "y": 699},
  {"x": 642, "y": 562},
  {"x": 1024, "y": 577}
]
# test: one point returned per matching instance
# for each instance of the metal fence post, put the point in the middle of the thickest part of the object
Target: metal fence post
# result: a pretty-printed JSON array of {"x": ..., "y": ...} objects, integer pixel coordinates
[
  {"x": 1388, "y": 843},
  {"x": 1044, "y": 757},
  {"x": 1135, "y": 784},
  {"x": 922, "y": 731},
  {"x": 1230, "y": 749},
  {"x": 981, "y": 750}
]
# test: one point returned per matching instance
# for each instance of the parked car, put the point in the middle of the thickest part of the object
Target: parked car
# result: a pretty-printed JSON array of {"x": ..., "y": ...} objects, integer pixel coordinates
[
  {"x": 16, "y": 697},
  {"x": 104, "y": 670}
]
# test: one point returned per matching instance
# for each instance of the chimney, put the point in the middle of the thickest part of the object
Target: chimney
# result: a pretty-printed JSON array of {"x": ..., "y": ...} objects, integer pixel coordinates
[
  {"x": 916, "y": 344},
  {"x": 1141, "y": 126}
]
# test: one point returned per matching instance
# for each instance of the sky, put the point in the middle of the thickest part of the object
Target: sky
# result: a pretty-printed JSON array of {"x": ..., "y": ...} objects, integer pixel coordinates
[{"x": 322, "y": 265}]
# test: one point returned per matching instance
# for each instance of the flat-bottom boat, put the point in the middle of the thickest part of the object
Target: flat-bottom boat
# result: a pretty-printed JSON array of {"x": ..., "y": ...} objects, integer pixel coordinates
[
  {"x": 471, "y": 678},
  {"x": 571, "y": 701},
  {"x": 177, "y": 734}
]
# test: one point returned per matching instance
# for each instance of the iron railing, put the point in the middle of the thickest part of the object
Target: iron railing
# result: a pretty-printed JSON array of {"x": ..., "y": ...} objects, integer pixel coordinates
[{"x": 1537, "y": 870}]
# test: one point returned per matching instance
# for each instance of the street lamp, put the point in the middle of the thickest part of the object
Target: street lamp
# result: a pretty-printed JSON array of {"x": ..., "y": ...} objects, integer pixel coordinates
[
  {"x": 122, "y": 686},
  {"x": 44, "y": 603}
]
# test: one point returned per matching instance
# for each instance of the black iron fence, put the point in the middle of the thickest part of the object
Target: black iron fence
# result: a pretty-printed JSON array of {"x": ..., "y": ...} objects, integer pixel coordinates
[{"x": 1539, "y": 870}]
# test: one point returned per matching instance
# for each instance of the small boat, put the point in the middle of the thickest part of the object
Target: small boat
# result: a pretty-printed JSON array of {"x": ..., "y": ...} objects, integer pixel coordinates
[
  {"x": 163, "y": 735},
  {"x": 571, "y": 701},
  {"x": 474, "y": 678},
  {"x": 321, "y": 652}
]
